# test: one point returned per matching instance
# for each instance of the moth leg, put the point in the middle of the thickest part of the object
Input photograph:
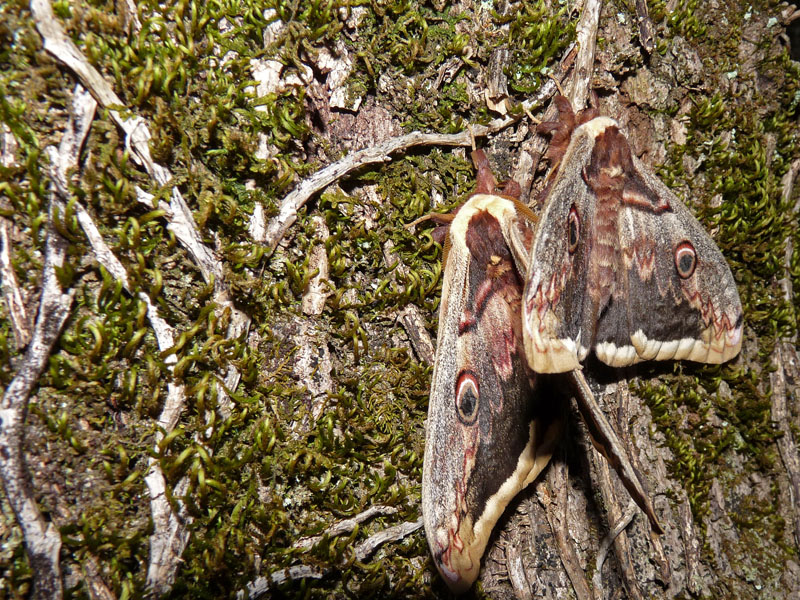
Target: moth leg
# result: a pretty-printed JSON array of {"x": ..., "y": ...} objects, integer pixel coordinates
[{"x": 605, "y": 440}]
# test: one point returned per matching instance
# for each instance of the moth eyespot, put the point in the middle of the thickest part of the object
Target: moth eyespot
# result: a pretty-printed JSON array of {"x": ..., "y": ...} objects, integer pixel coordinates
[
  {"x": 573, "y": 229},
  {"x": 467, "y": 397},
  {"x": 685, "y": 259}
]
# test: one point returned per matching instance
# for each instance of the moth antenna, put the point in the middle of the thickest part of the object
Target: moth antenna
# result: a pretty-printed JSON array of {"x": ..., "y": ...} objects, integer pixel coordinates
[
  {"x": 438, "y": 218},
  {"x": 529, "y": 114},
  {"x": 558, "y": 84}
]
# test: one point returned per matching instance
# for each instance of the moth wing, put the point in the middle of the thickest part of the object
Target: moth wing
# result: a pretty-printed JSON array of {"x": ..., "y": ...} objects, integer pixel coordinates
[
  {"x": 557, "y": 318},
  {"x": 487, "y": 435},
  {"x": 676, "y": 310}
]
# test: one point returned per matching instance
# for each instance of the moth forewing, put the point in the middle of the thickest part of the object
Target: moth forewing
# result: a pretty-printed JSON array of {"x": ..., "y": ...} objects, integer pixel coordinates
[
  {"x": 487, "y": 436},
  {"x": 556, "y": 337}
]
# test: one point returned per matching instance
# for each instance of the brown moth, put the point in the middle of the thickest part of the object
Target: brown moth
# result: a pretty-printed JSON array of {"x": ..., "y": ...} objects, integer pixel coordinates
[
  {"x": 491, "y": 427},
  {"x": 619, "y": 265}
]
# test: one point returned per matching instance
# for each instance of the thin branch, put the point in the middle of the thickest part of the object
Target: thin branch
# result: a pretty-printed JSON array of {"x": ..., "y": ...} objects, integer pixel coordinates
[
  {"x": 391, "y": 534},
  {"x": 379, "y": 153},
  {"x": 42, "y": 540},
  {"x": 556, "y": 511},
  {"x": 619, "y": 539},
  {"x": 606, "y": 442},
  {"x": 171, "y": 535},
  {"x": 261, "y": 585},
  {"x": 137, "y": 135},
  {"x": 345, "y": 526}
]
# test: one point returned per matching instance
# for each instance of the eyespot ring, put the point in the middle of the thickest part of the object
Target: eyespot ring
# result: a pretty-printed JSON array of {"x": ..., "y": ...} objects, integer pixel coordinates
[
  {"x": 573, "y": 229},
  {"x": 685, "y": 259},
  {"x": 467, "y": 397}
]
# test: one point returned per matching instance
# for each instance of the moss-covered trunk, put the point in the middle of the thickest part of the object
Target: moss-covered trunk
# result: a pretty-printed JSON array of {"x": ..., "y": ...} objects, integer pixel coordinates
[{"x": 266, "y": 435}]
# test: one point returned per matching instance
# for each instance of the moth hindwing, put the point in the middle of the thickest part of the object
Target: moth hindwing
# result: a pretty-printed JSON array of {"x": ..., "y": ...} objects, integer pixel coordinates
[
  {"x": 488, "y": 435},
  {"x": 620, "y": 266}
]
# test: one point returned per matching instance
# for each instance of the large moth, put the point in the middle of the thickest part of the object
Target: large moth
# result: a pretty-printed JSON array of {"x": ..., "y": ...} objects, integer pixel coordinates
[
  {"x": 616, "y": 264},
  {"x": 619, "y": 265},
  {"x": 490, "y": 430}
]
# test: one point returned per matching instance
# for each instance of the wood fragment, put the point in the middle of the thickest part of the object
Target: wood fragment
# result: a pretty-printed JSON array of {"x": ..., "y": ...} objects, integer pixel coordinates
[
  {"x": 645, "y": 26},
  {"x": 261, "y": 585},
  {"x": 606, "y": 442},
  {"x": 586, "y": 34},
  {"x": 345, "y": 526},
  {"x": 137, "y": 136},
  {"x": 619, "y": 539},
  {"x": 18, "y": 315},
  {"x": 391, "y": 534},
  {"x": 659, "y": 557},
  {"x": 379, "y": 153},
  {"x": 363, "y": 551},
  {"x": 171, "y": 536},
  {"x": 624, "y": 520},
  {"x": 42, "y": 539}
]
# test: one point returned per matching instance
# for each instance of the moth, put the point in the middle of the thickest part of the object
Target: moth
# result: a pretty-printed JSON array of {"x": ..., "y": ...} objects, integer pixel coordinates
[
  {"x": 618, "y": 264},
  {"x": 492, "y": 428}
]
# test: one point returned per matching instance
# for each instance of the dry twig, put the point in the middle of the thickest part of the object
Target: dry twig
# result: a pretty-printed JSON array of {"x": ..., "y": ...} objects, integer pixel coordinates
[
  {"x": 362, "y": 552},
  {"x": 556, "y": 511},
  {"x": 345, "y": 526},
  {"x": 379, "y": 153},
  {"x": 602, "y": 553},
  {"x": 586, "y": 33},
  {"x": 42, "y": 540}
]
